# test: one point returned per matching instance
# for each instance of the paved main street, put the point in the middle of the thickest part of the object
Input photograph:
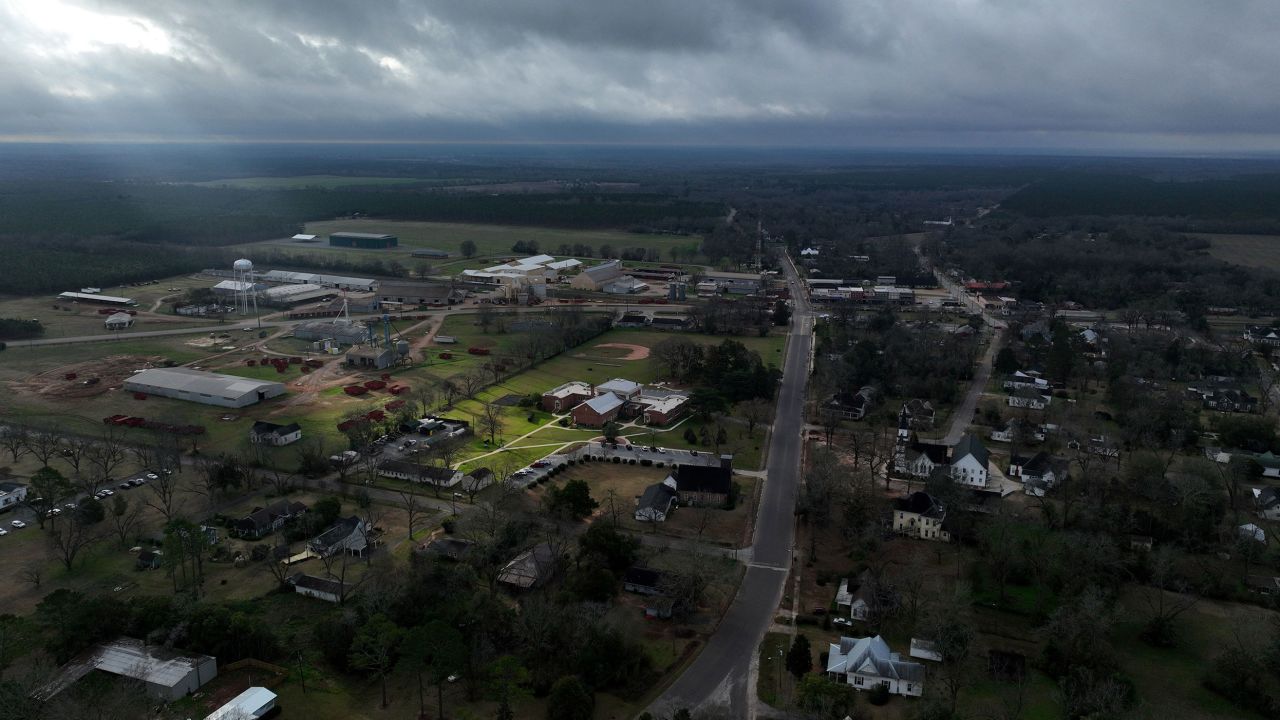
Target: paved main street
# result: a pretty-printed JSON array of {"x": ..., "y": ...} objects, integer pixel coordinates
[{"x": 721, "y": 675}]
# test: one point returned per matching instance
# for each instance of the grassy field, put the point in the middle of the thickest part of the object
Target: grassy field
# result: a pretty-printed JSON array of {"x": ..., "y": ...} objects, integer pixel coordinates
[
  {"x": 63, "y": 319},
  {"x": 319, "y": 412},
  {"x": 623, "y": 484},
  {"x": 1261, "y": 251},
  {"x": 495, "y": 239}
]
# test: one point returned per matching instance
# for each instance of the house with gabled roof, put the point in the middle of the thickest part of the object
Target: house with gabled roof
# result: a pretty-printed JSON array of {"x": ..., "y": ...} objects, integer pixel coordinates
[
  {"x": 268, "y": 433},
  {"x": 919, "y": 515},
  {"x": 970, "y": 462},
  {"x": 349, "y": 535},
  {"x": 1030, "y": 398},
  {"x": 267, "y": 519},
  {"x": 531, "y": 568},
  {"x": 657, "y": 501},
  {"x": 864, "y": 663},
  {"x": 1267, "y": 501},
  {"x": 1038, "y": 473},
  {"x": 919, "y": 459}
]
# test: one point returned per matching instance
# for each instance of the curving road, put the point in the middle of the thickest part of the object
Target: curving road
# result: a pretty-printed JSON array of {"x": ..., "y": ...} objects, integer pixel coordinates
[{"x": 720, "y": 676}]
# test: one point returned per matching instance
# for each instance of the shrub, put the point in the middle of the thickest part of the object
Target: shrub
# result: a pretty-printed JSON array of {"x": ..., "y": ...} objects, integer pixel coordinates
[{"x": 879, "y": 694}]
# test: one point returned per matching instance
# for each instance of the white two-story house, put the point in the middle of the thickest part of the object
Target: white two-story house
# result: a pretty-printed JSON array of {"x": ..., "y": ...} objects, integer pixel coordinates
[{"x": 970, "y": 462}]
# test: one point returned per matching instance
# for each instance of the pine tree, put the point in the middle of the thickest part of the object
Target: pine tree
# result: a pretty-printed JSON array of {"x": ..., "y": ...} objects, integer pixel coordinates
[{"x": 799, "y": 658}]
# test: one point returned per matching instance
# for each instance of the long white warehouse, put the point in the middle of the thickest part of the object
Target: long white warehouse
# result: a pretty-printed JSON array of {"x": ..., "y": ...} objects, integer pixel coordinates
[{"x": 203, "y": 387}]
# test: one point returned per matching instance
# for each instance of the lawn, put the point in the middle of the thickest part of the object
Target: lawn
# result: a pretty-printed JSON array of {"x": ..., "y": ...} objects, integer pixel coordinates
[
  {"x": 496, "y": 239},
  {"x": 64, "y": 319},
  {"x": 616, "y": 487},
  {"x": 774, "y": 685}
]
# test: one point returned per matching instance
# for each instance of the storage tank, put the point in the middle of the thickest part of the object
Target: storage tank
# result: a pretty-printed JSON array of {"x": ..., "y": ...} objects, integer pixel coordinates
[{"x": 402, "y": 348}]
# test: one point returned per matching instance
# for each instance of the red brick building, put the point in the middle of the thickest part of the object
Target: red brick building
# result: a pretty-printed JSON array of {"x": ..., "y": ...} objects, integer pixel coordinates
[
  {"x": 598, "y": 410},
  {"x": 565, "y": 397}
]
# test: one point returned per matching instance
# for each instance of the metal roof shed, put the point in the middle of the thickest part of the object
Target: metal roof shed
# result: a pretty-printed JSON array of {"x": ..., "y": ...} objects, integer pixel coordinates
[
  {"x": 203, "y": 387},
  {"x": 251, "y": 704}
]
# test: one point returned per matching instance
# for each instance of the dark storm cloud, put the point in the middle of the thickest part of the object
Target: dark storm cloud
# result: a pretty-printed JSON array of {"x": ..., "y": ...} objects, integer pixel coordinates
[{"x": 1026, "y": 73}]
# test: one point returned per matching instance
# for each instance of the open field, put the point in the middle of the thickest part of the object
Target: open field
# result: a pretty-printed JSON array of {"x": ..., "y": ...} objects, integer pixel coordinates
[
  {"x": 312, "y": 181},
  {"x": 1261, "y": 251},
  {"x": 317, "y": 403},
  {"x": 63, "y": 319},
  {"x": 491, "y": 239}
]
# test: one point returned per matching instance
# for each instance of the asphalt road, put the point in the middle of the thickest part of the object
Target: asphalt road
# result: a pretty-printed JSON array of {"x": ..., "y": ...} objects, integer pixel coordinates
[
  {"x": 236, "y": 329},
  {"x": 720, "y": 676}
]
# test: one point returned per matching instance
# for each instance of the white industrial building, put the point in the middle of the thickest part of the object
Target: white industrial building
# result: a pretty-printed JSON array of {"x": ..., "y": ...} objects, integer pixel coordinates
[
  {"x": 232, "y": 287},
  {"x": 203, "y": 387},
  {"x": 293, "y": 294},
  {"x": 118, "y": 321},
  {"x": 96, "y": 298},
  {"x": 167, "y": 674},
  {"x": 341, "y": 282}
]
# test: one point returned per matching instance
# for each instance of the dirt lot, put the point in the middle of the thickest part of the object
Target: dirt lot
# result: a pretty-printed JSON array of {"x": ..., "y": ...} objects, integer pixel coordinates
[{"x": 92, "y": 377}]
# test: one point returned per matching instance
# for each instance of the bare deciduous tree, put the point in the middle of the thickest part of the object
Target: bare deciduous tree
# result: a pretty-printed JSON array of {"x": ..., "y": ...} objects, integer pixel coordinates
[
  {"x": 755, "y": 411},
  {"x": 414, "y": 508},
  {"x": 69, "y": 536},
  {"x": 14, "y": 440},
  {"x": 44, "y": 444},
  {"x": 125, "y": 517}
]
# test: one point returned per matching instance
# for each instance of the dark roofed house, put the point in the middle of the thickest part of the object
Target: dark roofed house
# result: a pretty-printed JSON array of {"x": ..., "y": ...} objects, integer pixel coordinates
[
  {"x": 656, "y": 502},
  {"x": 919, "y": 515},
  {"x": 1267, "y": 500},
  {"x": 149, "y": 560},
  {"x": 318, "y": 587},
  {"x": 267, "y": 519},
  {"x": 702, "y": 484},
  {"x": 349, "y": 535},
  {"x": 531, "y": 568},
  {"x": 265, "y": 433},
  {"x": 642, "y": 580}
]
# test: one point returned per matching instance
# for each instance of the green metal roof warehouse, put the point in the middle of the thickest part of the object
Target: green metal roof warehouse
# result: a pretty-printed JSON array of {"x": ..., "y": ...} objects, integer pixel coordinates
[{"x": 366, "y": 241}]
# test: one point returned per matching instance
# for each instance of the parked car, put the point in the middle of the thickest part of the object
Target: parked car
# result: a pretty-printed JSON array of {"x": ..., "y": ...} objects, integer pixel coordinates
[
  {"x": 70, "y": 506},
  {"x": 152, "y": 476},
  {"x": 125, "y": 485},
  {"x": 842, "y": 622},
  {"x": 108, "y": 492},
  {"x": 18, "y": 524},
  {"x": 539, "y": 464},
  {"x": 3, "y": 532}
]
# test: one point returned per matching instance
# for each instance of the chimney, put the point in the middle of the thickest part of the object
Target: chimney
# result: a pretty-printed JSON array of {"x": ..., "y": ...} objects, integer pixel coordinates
[{"x": 726, "y": 462}]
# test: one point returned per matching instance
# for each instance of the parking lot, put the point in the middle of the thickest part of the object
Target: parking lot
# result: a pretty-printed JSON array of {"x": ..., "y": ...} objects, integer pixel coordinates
[{"x": 23, "y": 515}]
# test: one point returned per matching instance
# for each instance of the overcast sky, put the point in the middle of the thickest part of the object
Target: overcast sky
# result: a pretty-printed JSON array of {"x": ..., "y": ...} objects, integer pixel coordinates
[{"x": 1086, "y": 74}]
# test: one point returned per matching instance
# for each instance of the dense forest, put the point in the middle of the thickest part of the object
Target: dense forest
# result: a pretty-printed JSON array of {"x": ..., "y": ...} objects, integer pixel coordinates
[
  {"x": 1133, "y": 265},
  {"x": 1239, "y": 204}
]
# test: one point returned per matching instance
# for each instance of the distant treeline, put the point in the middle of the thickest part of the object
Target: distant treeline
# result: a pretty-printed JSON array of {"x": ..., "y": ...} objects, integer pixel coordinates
[
  {"x": 194, "y": 215},
  {"x": 1215, "y": 200},
  {"x": 53, "y": 264},
  {"x": 1131, "y": 266}
]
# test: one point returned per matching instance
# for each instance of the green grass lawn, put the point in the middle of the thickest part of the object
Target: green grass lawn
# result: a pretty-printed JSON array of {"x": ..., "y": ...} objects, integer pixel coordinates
[{"x": 774, "y": 683}]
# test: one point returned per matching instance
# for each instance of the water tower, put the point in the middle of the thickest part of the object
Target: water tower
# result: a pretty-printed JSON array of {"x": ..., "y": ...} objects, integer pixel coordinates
[{"x": 246, "y": 298}]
